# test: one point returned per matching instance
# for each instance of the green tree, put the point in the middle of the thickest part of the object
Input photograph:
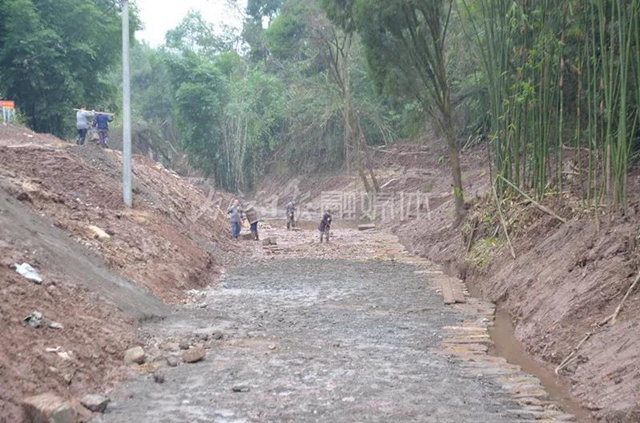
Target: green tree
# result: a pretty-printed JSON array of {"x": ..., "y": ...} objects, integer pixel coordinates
[
  {"x": 409, "y": 38},
  {"x": 339, "y": 42},
  {"x": 55, "y": 55}
]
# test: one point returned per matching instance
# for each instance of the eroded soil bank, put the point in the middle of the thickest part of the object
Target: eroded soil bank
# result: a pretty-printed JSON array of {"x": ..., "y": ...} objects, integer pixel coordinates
[{"x": 566, "y": 279}]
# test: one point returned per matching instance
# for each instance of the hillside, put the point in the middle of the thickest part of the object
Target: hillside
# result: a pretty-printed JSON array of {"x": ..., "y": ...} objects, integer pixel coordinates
[{"x": 51, "y": 192}]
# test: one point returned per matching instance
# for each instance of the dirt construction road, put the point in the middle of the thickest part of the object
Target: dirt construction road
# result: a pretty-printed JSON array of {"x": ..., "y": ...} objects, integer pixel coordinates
[{"x": 346, "y": 332}]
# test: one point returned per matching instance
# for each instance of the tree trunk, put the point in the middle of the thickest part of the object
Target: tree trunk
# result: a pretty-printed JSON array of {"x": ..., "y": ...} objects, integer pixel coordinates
[
  {"x": 367, "y": 155},
  {"x": 456, "y": 174}
]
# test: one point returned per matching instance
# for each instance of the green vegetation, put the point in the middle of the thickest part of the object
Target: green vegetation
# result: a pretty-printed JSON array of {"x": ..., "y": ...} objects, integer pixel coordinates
[
  {"x": 310, "y": 85},
  {"x": 562, "y": 76},
  {"x": 56, "y": 54}
]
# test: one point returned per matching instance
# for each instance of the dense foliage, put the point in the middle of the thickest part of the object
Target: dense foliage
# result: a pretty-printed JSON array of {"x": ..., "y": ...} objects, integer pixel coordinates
[
  {"x": 562, "y": 76},
  {"x": 312, "y": 85},
  {"x": 55, "y": 55}
]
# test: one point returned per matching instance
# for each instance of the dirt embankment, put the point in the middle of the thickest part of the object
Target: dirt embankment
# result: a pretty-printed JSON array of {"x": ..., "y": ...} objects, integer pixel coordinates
[
  {"x": 96, "y": 285},
  {"x": 173, "y": 239},
  {"x": 567, "y": 278}
]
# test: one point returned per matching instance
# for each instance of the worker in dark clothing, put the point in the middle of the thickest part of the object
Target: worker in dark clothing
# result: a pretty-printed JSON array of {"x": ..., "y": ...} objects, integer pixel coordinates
[
  {"x": 102, "y": 125},
  {"x": 325, "y": 226},
  {"x": 291, "y": 209},
  {"x": 252, "y": 217}
]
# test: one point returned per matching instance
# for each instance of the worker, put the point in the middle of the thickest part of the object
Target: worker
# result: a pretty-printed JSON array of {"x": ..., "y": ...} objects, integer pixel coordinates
[
  {"x": 82, "y": 123},
  {"x": 235, "y": 215},
  {"x": 291, "y": 209},
  {"x": 251, "y": 215},
  {"x": 325, "y": 226},
  {"x": 102, "y": 124}
]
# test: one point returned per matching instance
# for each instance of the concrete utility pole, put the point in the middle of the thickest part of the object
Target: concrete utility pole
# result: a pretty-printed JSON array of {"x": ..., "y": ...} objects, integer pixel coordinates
[{"x": 126, "y": 109}]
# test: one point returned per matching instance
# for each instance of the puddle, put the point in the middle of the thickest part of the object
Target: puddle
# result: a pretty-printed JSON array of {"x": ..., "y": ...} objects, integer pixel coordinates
[{"x": 506, "y": 345}]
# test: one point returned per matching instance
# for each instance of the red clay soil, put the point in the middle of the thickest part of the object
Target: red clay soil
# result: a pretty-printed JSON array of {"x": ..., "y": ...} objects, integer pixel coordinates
[
  {"x": 173, "y": 240},
  {"x": 94, "y": 336}
]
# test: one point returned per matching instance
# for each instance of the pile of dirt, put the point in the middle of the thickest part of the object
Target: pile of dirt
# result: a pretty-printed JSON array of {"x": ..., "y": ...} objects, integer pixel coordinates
[
  {"x": 85, "y": 356},
  {"x": 105, "y": 267},
  {"x": 175, "y": 237}
]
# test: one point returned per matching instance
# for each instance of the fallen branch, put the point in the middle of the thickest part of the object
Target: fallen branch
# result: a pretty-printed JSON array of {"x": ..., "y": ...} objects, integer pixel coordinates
[
  {"x": 612, "y": 318},
  {"x": 388, "y": 182},
  {"x": 575, "y": 350},
  {"x": 615, "y": 314},
  {"x": 540, "y": 206},
  {"x": 504, "y": 225}
]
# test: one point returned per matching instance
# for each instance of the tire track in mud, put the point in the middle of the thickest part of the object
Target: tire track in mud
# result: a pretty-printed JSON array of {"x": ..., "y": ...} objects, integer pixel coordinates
[{"x": 318, "y": 340}]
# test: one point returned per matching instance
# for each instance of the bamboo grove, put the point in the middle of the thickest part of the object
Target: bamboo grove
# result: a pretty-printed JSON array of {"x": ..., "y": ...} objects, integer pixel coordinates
[{"x": 564, "y": 83}]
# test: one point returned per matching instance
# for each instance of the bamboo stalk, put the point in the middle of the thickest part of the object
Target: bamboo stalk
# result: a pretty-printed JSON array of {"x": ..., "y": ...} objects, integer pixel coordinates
[
  {"x": 96, "y": 113},
  {"x": 502, "y": 222},
  {"x": 631, "y": 288}
]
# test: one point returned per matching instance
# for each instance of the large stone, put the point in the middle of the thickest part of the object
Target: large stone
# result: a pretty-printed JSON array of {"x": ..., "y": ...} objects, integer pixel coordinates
[
  {"x": 194, "y": 354},
  {"x": 48, "y": 408},
  {"x": 135, "y": 355},
  {"x": 94, "y": 402},
  {"x": 99, "y": 233}
]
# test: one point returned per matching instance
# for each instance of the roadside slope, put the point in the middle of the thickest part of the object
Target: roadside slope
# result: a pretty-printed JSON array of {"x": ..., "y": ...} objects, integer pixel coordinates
[
  {"x": 174, "y": 238},
  {"x": 97, "y": 287}
]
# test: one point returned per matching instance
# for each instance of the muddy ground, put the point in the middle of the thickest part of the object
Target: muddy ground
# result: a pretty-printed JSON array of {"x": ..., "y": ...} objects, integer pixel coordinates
[
  {"x": 565, "y": 280},
  {"x": 304, "y": 332}
]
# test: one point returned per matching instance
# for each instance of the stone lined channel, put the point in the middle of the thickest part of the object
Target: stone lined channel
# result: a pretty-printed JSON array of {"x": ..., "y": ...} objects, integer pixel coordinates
[{"x": 319, "y": 340}]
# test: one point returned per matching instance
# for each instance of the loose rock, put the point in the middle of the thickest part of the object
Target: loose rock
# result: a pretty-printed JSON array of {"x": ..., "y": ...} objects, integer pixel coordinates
[
  {"x": 48, "y": 408},
  {"x": 241, "y": 388},
  {"x": 173, "y": 361},
  {"x": 96, "y": 403},
  {"x": 193, "y": 355},
  {"x": 135, "y": 355},
  {"x": 99, "y": 233},
  {"x": 158, "y": 377}
]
